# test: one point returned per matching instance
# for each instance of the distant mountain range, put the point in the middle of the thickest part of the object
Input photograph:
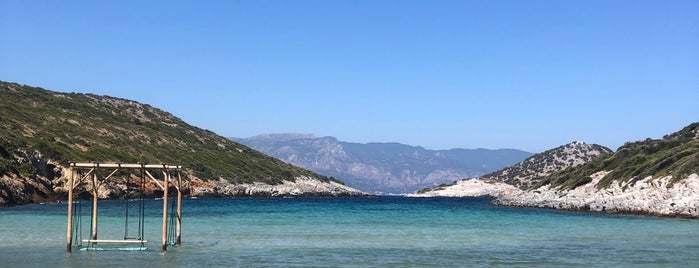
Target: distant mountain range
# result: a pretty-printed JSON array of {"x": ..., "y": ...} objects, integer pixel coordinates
[{"x": 390, "y": 168}]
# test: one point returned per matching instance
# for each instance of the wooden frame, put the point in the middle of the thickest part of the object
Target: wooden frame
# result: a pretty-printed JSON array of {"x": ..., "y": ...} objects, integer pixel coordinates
[{"x": 92, "y": 170}]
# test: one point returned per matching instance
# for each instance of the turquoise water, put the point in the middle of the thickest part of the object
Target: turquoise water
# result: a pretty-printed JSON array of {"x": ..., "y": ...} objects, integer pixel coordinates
[{"x": 357, "y": 232}]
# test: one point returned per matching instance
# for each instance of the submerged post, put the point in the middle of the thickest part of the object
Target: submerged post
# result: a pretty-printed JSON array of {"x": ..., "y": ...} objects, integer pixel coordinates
[
  {"x": 93, "y": 236},
  {"x": 69, "y": 231},
  {"x": 166, "y": 178},
  {"x": 178, "y": 241}
]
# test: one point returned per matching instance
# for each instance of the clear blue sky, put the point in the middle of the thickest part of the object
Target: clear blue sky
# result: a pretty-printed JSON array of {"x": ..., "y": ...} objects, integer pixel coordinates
[{"x": 530, "y": 75}]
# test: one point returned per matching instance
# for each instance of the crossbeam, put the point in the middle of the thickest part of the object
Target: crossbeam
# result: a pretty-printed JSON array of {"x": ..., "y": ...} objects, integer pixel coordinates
[{"x": 118, "y": 165}]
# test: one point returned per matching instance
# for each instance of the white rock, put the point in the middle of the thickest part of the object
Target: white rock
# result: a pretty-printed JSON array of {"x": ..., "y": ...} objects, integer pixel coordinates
[
  {"x": 472, "y": 188},
  {"x": 657, "y": 196}
]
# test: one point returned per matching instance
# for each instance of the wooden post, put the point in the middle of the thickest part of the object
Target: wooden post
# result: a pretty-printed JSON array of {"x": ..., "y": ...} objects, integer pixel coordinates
[
  {"x": 179, "y": 209},
  {"x": 69, "y": 231},
  {"x": 94, "y": 205},
  {"x": 165, "y": 188}
]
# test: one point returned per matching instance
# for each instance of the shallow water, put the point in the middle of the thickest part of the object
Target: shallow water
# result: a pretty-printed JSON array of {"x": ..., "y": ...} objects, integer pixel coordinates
[{"x": 351, "y": 232}]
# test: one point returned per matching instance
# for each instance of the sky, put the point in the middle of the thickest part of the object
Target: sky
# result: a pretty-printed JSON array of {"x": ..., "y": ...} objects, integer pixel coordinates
[{"x": 530, "y": 75}]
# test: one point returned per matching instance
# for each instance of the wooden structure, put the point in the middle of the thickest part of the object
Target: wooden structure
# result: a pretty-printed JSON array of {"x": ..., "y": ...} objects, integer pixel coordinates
[{"x": 75, "y": 178}]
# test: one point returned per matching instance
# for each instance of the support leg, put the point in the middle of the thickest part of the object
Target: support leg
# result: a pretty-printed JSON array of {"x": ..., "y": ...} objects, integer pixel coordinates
[
  {"x": 69, "y": 230},
  {"x": 178, "y": 241},
  {"x": 94, "y": 206},
  {"x": 165, "y": 194}
]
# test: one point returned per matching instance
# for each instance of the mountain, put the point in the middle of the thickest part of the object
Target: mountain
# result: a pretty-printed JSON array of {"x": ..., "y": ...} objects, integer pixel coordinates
[
  {"x": 41, "y": 131},
  {"x": 532, "y": 171},
  {"x": 382, "y": 167}
]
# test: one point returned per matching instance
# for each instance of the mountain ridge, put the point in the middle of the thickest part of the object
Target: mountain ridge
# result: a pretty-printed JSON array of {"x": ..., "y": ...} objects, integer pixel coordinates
[{"x": 384, "y": 167}]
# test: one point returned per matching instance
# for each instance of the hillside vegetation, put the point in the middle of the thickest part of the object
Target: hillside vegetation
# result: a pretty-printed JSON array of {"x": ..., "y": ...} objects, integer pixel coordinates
[
  {"x": 530, "y": 172},
  {"x": 675, "y": 155},
  {"x": 67, "y": 127},
  {"x": 533, "y": 171}
]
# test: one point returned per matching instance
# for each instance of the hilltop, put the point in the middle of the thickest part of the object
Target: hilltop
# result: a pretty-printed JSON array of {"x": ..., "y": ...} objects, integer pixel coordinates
[
  {"x": 382, "y": 167},
  {"x": 675, "y": 155},
  {"x": 41, "y": 131},
  {"x": 523, "y": 175},
  {"x": 653, "y": 176}
]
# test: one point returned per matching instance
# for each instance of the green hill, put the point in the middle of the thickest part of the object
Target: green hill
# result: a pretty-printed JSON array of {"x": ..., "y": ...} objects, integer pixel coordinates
[
  {"x": 675, "y": 155},
  {"x": 41, "y": 126}
]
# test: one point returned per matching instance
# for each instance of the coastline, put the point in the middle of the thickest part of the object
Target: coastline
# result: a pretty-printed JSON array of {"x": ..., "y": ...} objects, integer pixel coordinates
[
  {"x": 649, "y": 196},
  {"x": 302, "y": 186},
  {"x": 18, "y": 190}
]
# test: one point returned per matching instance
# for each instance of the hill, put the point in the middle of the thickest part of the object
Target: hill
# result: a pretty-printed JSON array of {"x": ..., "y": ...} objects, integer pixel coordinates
[
  {"x": 526, "y": 174},
  {"x": 533, "y": 170},
  {"x": 382, "y": 167},
  {"x": 654, "y": 176},
  {"x": 41, "y": 131},
  {"x": 675, "y": 155}
]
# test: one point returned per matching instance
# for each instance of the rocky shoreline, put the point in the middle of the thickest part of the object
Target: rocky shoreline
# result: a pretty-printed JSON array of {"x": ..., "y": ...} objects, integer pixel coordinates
[
  {"x": 649, "y": 196},
  {"x": 302, "y": 186},
  {"x": 471, "y": 188},
  {"x": 21, "y": 190}
]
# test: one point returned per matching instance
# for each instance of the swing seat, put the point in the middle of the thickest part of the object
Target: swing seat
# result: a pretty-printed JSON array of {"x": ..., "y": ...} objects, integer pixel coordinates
[
  {"x": 97, "y": 241},
  {"x": 114, "y": 249},
  {"x": 92, "y": 242}
]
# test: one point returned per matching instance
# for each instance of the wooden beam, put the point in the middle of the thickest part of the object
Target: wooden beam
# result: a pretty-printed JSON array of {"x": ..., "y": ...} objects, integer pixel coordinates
[
  {"x": 81, "y": 179},
  {"x": 111, "y": 174},
  {"x": 156, "y": 181},
  {"x": 129, "y": 166}
]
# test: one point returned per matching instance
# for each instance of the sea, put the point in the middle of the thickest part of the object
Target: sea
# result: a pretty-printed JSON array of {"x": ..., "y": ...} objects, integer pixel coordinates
[{"x": 387, "y": 231}]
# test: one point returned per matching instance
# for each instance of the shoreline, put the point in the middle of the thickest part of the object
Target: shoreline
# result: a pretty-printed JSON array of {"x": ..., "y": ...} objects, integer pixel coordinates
[{"x": 659, "y": 197}]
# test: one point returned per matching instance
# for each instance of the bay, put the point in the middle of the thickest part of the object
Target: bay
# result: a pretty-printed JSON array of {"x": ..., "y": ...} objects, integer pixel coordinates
[{"x": 355, "y": 232}]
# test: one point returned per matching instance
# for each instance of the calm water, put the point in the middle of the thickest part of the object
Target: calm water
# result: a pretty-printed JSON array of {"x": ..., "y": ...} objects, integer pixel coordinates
[{"x": 357, "y": 232}]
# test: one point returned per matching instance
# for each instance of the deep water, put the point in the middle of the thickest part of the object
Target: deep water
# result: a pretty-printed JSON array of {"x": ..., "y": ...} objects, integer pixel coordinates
[{"x": 355, "y": 232}]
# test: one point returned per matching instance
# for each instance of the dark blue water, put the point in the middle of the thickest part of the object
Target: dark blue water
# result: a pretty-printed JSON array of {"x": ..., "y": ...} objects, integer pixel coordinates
[{"x": 357, "y": 232}]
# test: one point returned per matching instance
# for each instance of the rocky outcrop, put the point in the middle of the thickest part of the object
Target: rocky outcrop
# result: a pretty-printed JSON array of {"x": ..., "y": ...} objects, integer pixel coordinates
[
  {"x": 654, "y": 196},
  {"x": 471, "y": 188},
  {"x": 303, "y": 186},
  {"x": 18, "y": 190},
  {"x": 36, "y": 187}
]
